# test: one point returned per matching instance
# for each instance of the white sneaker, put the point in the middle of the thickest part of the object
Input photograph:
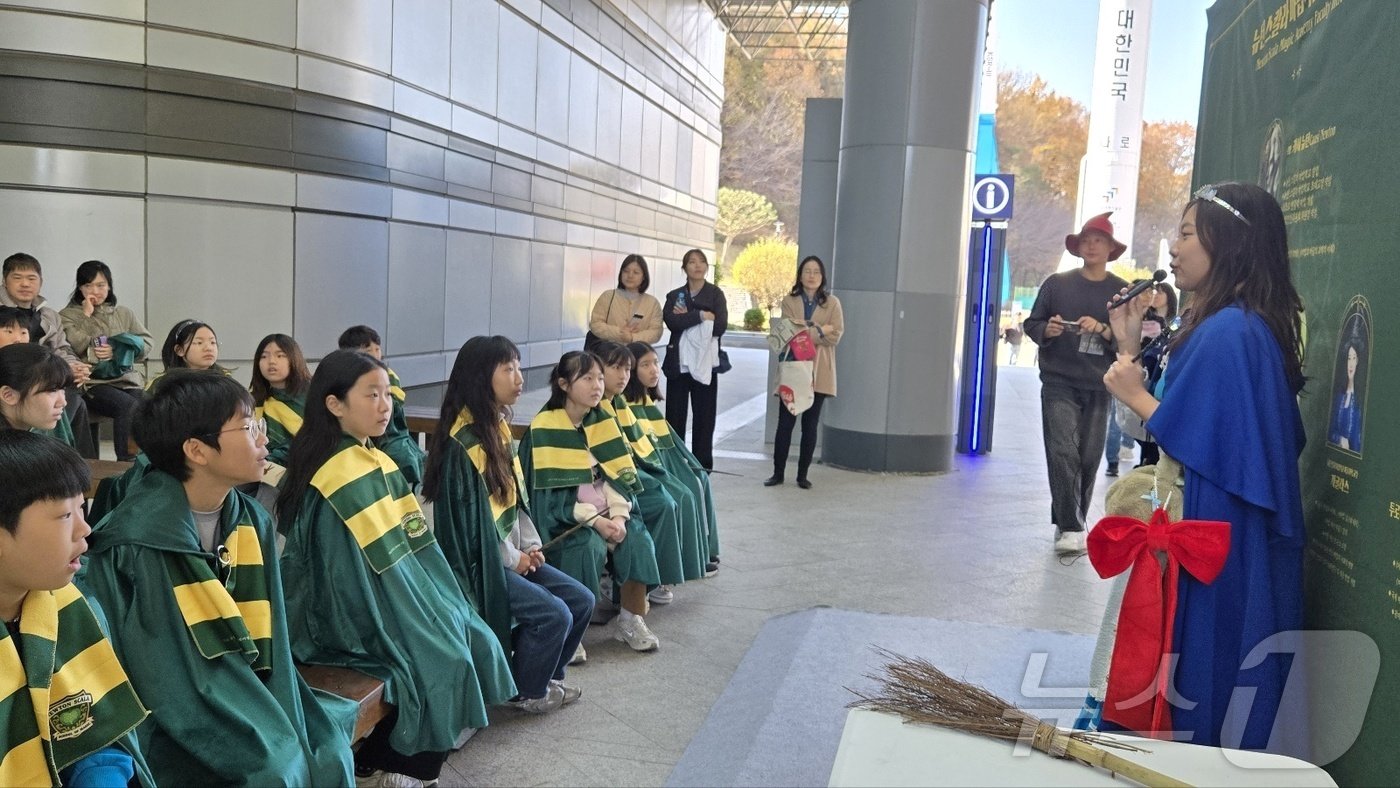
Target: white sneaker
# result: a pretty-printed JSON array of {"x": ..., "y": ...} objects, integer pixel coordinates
[
  {"x": 662, "y": 595},
  {"x": 382, "y": 779},
  {"x": 568, "y": 692},
  {"x": 636, "y": 634},
  {"x": 1126, "y": 454},
  {"x": 580, "y": 656},
  {"x": 1069, "y": 542}
]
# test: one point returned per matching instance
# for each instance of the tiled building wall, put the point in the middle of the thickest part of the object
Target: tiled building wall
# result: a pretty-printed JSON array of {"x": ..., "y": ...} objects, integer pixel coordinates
[{"x": 434, "y": 168}]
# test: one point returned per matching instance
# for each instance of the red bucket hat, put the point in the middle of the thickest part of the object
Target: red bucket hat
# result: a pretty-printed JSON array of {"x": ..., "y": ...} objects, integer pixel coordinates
[{"x": 1101, "y": 225}]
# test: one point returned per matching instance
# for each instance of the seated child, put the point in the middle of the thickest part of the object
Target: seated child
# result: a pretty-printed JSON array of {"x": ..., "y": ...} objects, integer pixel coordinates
[
  {"x": 189, "y": 345},
  {"x": 280, "y": 381},
  {"x": 666, "y": 505},
  {"x": 32, "y": 383},
  {"x": 581, "y": 479},
  {"x": 642, "y": 393},
  {"x": 24, "y": 278},
  {"x": 186, "y": 569},
  {"x": 485, "y": 530},
  {"x": 52, "y": 650},
  {"x": 14, "y": 326},
  {"x": 396, "y": 441},
  {"x": 359, "y": 553}
]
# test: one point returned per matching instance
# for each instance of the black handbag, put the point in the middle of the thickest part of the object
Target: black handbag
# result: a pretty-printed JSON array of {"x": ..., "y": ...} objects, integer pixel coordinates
[
  {"x": 592, "y": 340},
  {"x": 723, "y": 366}
]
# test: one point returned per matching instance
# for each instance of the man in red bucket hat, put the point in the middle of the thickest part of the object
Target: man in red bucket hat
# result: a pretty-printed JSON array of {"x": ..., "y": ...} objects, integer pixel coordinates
[{"x": 1070, "y": 324}]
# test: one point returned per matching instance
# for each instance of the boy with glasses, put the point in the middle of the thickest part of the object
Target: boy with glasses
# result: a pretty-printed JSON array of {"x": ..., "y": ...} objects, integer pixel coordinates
[{"x": 187, "y": 569}]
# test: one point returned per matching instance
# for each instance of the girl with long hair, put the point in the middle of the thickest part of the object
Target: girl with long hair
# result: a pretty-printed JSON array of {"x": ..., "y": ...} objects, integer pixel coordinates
[
  {"x": 1228, "y": 412},
  {"x": 481, "y": 519},
  {"x": 280, "y": 381},
  {"x": 367, "y": 586},
  {"x": 582, "y": 484},
  {"x": 666, "y": 506},
  {"x": 642, "y": 393}
]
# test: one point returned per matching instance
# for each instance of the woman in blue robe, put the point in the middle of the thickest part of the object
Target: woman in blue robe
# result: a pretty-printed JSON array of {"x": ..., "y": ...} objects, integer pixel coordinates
[{"x": 1228, "y": 412}]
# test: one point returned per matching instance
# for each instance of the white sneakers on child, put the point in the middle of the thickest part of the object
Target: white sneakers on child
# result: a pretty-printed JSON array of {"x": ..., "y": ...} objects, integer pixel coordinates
[
  {"x": 635, "y": 634},
  {"x": 567, "y": 692},
  {"x": 580, "y": 656},
  {"x": 1070, "y": 542},
  {"x": 552, "y": 699},
  {"x": 662, "y": 595}
]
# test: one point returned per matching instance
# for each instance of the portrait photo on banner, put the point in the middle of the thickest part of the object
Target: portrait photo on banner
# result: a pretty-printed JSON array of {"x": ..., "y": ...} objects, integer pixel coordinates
[{"x": 1349, "y": 378}]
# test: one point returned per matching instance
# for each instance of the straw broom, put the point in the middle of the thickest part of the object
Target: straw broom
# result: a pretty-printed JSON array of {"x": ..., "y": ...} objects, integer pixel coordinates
[{"x": 919, "y": 692}]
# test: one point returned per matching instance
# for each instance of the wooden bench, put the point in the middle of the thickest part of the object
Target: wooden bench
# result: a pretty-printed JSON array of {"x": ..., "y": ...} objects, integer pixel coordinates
[
  {"x": 104, "y": 469},
  {"x": 367, "y": 691}
]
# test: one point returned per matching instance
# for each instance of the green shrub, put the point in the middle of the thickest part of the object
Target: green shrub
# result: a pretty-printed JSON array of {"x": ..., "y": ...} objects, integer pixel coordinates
[{"x": 755, "y": 319}]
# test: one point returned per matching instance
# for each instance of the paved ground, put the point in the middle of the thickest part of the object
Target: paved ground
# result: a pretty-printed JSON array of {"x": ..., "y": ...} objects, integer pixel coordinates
[{"x": 973, "y": 544}]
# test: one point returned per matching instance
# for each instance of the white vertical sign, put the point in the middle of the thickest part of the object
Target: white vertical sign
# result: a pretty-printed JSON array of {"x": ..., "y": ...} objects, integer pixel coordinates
[
  {"x": 987, "y": 103},
  {"x": 1109, "y": 176}
]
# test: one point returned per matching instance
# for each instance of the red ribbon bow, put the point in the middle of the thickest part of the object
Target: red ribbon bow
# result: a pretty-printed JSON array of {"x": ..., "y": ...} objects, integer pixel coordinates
[{"x": 1139, "y": 672}]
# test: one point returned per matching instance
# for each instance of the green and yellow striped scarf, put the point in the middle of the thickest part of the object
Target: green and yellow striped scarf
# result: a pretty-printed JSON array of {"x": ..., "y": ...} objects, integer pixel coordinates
[
  {"x": 234, "y": 616},
  {"x": 284, "y": 414},
  {"x": 560, "y": 452},
  {"x": 396, "y": 388},
  {"x": 649, "y": 414},
  {"x": 368, "y": 492},
  {"x": 503, "y": 513},
  {"x": 63, "y": 695},
  {"x": 631, "y": 430}
]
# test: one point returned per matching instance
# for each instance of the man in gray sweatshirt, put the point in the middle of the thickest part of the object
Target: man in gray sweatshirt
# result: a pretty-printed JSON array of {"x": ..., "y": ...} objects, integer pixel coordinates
[{"x": 1069, "y": 322}]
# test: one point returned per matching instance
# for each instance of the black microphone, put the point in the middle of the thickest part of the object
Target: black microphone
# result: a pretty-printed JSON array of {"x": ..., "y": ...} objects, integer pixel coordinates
[{"x": 1140, "y": 288}]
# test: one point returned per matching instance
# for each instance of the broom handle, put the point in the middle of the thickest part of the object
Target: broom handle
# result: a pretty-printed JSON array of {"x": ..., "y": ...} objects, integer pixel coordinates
[
  {"x": 1098, "y": 756},
  {"x": 561, "y": 537}
]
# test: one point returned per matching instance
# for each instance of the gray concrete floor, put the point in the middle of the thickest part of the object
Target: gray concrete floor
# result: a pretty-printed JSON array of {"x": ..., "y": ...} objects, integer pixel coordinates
[{"x": 972, "y": 544}]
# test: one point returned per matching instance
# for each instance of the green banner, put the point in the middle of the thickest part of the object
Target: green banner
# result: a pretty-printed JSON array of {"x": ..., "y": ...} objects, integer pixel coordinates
[{"x": 1303, "y": 97}]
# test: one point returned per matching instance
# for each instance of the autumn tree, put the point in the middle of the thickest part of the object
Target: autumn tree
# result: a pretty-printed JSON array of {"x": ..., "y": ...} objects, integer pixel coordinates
[
  {"x": 741, "y": 212},
  {"x": 763, "y": 118},
  {"x": 1041, "y": 139},
  {"x": 1168, "y": 149},
  {"x": 766, "y": 269}
]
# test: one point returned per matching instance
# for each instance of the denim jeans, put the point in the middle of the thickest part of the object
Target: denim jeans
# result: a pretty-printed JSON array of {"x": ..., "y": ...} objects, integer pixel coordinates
[{"x": 551, "y": 611}]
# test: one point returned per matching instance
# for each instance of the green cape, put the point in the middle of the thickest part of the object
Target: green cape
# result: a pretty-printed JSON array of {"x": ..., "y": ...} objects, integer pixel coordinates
[
  {"x": 583, "y": 553},
  {"x": 397, "y": 442},
  {"x": 214, "y": 720},
  {"x": 679, "y": 462},
  {"x": 407, "y": 625}
]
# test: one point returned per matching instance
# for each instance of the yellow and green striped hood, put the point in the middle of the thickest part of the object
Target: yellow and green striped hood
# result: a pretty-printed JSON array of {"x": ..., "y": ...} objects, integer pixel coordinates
[
  {"x": 504, "y": 513},
  {"x": 369, "y": 494},
  {"x": 63, "y": 695},
  {"x": 649, "y": 415},
  {"x": 234, "y": 616},
  {"x": 560, "y": 451}
]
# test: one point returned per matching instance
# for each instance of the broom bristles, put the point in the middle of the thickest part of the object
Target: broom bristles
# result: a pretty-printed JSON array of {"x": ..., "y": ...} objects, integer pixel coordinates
[{"x": 916, "y": 690}]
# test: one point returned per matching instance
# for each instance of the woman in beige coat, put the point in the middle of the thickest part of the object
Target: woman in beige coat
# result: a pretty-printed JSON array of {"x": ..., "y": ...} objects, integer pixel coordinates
[
  {"x": 628, "y": 314},
  {"x": 811, "y": 303}
]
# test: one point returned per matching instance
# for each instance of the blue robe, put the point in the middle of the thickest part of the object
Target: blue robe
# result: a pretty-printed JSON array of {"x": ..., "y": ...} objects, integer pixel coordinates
[
  {"x": 1346, "y": 421},
  {"x": 1231, "y": 418}
]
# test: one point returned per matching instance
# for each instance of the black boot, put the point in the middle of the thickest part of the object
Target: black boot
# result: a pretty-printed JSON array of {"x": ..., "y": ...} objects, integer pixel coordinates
[{"x": 774, "y": 480}]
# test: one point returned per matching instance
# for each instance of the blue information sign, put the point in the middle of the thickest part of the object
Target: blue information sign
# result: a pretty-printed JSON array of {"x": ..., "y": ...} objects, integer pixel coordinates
[{"x": 992, "y": 196}]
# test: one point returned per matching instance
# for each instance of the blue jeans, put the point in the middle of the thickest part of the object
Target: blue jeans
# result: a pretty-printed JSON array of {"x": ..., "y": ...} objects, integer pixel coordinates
[
  {"x": 551, "y": 611},
  {"x": 1115, "y": 440}
]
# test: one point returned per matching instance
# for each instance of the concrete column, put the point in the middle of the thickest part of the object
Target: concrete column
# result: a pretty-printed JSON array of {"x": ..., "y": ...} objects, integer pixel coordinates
[
  {"x": 902, "y": 208},
  {"x": 821, "y": 148}
]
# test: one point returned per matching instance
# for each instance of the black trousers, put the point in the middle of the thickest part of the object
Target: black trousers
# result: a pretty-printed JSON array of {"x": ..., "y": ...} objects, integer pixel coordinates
[
  {"x": 119, "y": 405},
  {"x": 375, "y": 753},
  {"x": 786, "y": 421},
  {"x": 684, "y": 394}
]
